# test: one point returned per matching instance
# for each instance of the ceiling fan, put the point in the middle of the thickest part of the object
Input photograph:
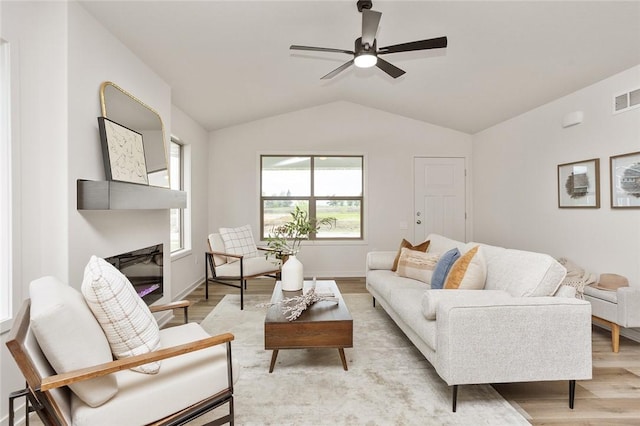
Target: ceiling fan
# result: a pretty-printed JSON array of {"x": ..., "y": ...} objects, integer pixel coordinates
[{"x": 366, "y": 54}]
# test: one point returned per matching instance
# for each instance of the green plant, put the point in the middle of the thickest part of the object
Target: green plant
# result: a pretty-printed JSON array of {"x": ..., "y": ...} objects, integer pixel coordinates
[{"x": 285, "y": 239}]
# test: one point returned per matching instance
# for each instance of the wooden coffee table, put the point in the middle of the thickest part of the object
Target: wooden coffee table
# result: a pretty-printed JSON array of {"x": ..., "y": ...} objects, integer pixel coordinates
[{"x": 323, "y": 325}]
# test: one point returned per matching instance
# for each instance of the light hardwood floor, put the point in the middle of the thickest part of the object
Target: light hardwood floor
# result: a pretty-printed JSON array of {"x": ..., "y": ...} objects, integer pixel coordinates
[{"x": 612, "y": 397}]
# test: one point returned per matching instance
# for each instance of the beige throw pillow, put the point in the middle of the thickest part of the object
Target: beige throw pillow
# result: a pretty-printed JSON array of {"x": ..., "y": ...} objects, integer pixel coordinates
[
  {"x": 417, "y": 265},
  {"x": 126, "y": 320}
]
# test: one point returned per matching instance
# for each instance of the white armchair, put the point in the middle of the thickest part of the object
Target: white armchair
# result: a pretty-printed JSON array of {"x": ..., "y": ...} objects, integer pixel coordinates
[
  {"x": 233, "y": 258},
  {"x": 77, "y": 382}
]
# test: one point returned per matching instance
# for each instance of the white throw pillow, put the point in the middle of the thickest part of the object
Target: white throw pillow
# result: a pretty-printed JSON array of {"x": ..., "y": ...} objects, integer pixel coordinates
[
  {"x": 416, "y": 264},
  {"x": 126, "y": 320},
  {"x": 239, "y": 241},
  {"x": 70, "y": 337}
]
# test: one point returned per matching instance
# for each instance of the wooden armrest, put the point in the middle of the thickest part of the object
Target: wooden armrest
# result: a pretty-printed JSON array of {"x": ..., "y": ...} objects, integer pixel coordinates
[
  {"x": 169, "y": 306},
  {"x": 71, "y": 377},
  {"x": 219, "y": 253}
]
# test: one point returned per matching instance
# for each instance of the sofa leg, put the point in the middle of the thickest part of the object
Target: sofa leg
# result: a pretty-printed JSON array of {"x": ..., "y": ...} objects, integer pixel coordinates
[
  {"x": 374, "y": 302},
  {"x": 455, "y": 397},
  {"x": 572, "y": 393}
]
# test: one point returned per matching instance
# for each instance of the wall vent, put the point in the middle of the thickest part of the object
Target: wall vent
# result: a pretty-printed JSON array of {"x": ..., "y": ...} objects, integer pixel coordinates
[{"x": 626, "y": 101}]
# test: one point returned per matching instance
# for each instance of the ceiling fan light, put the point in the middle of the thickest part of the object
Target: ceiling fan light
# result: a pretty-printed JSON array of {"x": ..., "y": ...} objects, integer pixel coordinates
[{"x": 365, "y": 60}]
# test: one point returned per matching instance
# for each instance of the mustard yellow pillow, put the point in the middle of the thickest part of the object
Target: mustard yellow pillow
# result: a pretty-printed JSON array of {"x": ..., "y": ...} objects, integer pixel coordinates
[
  {"x": 423, "y": 246},
  {"x": 469, "y": 272}
]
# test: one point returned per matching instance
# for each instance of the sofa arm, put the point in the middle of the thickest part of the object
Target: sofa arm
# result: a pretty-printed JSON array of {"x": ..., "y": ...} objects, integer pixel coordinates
[
  {"x": 516, "y": 340},
  {"x": 628, "y": 306},
  {"x": 380, "y": 260}
]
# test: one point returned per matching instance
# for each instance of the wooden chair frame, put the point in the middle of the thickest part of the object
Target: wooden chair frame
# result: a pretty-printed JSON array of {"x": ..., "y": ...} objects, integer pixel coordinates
[
  {"x": 40, "y": 400},
  {"x": 210, "y": 267}
]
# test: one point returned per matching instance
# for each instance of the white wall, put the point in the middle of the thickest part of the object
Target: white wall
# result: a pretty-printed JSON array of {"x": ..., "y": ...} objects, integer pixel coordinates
[
  {"x": 515, "y": 188},
  {"x": 187, "y": 271},
  {"x": 37, "y": 34},
  {"x": 96, "y": 56},
  {"x": 388, "y": 141}
]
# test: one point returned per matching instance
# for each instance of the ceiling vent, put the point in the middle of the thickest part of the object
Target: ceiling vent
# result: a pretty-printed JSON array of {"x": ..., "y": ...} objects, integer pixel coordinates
[{"x": 626, "y": 101}]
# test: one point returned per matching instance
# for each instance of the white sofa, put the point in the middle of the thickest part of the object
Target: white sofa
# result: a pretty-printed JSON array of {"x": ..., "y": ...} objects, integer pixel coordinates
[{"x": 495, "y": 335}]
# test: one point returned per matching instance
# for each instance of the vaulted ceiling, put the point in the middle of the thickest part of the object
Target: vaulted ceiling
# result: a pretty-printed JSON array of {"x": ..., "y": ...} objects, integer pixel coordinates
[{"x": 228, "y": 62}]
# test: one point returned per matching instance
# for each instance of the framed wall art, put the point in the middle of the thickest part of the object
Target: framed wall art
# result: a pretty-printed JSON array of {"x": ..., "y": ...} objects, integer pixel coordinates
[
  {"x": 122, "y": 152},
  {"x": 579, "y": 184},
  {"x": 625, "y": 181}
]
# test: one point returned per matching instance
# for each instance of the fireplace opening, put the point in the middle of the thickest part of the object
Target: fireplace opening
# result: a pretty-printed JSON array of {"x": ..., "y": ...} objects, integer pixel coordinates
[{"x": 143, "y": 268}]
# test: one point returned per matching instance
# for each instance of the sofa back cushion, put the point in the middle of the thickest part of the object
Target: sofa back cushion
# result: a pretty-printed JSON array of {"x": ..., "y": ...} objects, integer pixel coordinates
[
  {"x": 440, "y": 244},
  {"x": 524, "y": 273},
  {"x": 70, "y": 337}
]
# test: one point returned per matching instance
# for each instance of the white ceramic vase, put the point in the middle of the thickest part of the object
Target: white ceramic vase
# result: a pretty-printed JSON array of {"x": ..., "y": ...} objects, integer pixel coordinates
[{"x": 292, "y": 275}]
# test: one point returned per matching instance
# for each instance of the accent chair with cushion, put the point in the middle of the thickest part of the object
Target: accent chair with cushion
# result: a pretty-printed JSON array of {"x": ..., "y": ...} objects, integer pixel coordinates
[
  {"x": 72, "y": 379},
  {"x": 233, "y": 258}
]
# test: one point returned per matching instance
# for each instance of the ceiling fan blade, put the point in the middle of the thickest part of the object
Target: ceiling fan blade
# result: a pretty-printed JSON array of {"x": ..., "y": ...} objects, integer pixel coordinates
[
  {"x": 370, "y": 22},
  {"x": 337, "y": 70},
  {"x": 392, "y": 70},
  {"x": 432, "y": 43},
  {"x": 321, "y": 49}
]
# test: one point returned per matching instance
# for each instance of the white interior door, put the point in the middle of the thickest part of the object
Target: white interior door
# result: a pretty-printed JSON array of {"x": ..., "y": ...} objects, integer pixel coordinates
[{"x": 439, "y": 198}]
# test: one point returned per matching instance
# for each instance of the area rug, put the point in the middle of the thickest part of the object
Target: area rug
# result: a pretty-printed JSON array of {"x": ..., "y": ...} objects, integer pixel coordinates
[{"x": 389, "y": 382}]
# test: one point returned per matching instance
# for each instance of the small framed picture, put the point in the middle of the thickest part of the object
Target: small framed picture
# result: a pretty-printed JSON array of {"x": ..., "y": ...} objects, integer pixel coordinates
[
  {"x": 625, "y": 181},
  {"x": 122, "y": 152},
  {"x": 579, "y": 184}
]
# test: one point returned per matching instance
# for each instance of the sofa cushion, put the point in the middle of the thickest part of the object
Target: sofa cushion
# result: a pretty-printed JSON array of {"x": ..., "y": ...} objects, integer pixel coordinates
[
  {"x": 468, "y": 272},
  {"x": 181, "y": 382},
  {"x": 442, "y": 268},
  {"x": 417, "y": 265},
  {"x": 423, "y": 246},
  {"x": 126, "y": 320},
  {"x": 239, "y": 241},
  {"x": 441, "y": 244},
  {"x": 432, "y": 299},
  {"x": 70, "y": 337},
  {"x": 524, "y": 273}
]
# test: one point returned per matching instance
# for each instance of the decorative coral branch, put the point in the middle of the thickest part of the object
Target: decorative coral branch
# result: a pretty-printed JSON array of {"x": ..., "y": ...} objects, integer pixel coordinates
[{"x": 293, "y": 307}]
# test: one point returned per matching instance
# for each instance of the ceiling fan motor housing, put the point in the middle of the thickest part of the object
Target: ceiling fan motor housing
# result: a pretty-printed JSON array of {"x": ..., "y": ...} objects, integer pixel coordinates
[{"x": 364, "y": 4}]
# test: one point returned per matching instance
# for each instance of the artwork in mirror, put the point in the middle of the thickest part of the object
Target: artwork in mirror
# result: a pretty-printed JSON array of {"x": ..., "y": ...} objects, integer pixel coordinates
[
  {"x": 123, "y": 153},
  {"x": 122, "y": 107},
  {"x": 625, "y": 180},
  {"x": 579, "y": 184}
]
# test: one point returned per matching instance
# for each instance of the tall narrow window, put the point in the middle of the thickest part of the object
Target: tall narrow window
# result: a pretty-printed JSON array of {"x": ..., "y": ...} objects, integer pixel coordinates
[
  {"x": 176, "y": 169},
  {"x": 324, "y": 186},
  {"x": 5, "y": 185}
]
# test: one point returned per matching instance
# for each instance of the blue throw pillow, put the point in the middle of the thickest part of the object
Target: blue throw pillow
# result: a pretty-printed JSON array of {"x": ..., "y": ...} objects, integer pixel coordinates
[{"x": 442, "y": 268}]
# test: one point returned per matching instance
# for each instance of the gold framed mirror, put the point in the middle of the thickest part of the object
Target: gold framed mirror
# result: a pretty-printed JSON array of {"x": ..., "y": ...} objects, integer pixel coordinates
[{"x": 124, "y": 108}]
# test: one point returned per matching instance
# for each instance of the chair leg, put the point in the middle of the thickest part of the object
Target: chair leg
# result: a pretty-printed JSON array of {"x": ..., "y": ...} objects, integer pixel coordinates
[
  {"x": 241, "y": 296},
  {"x": 572, "y": 393},
  {"x": 615, "y": 337},
  {"x": 455, "y": 397}
]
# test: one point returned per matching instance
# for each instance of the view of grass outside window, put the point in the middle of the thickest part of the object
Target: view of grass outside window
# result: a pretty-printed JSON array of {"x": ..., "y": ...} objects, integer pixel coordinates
[
  {"x": 323, "y": 186},
  {"x": 176, "y": 158}
]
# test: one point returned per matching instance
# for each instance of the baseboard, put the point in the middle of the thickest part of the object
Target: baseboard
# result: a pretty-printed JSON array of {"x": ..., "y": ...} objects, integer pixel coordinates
[{"x": 19, "y": 418}]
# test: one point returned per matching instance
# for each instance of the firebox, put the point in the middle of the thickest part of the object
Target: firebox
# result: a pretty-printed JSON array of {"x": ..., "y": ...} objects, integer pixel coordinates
[{"x": 143, "y": 267}]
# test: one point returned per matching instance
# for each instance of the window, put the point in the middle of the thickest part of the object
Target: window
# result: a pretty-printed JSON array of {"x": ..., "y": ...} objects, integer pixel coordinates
[
  {"x": 324, "y": 186},
  {"x": 6, "y": 278},
  {"x": 176, "y": 170}
]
